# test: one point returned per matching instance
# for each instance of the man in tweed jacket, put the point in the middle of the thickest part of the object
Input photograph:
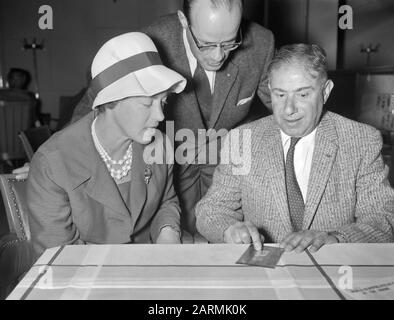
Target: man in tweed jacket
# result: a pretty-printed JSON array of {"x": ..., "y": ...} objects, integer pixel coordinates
[{"x": 338, "y": 167}]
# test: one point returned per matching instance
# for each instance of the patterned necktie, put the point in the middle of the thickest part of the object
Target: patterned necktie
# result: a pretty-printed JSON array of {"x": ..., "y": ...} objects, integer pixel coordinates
[
  {"x": 294, "y": 195},
  {"x": 203, "y": 92}
]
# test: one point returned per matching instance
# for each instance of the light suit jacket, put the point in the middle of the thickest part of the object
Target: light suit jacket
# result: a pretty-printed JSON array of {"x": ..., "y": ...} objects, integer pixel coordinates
[
  {"x": 348, "y": 190},
  {"x": 72, "y": 198}
]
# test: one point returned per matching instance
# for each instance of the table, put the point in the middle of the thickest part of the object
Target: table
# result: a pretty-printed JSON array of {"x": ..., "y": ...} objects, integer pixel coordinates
[{"x": 209, "y": 272}]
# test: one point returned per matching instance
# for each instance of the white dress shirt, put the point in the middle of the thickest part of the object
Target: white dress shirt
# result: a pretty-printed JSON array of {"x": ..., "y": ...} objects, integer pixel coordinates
[
  {"x": 193, "y": 63},
  {"x": 303, "y": 155}
]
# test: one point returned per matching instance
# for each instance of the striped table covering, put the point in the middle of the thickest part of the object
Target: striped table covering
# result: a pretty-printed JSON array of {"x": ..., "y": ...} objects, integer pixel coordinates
[{"x": 208, "y": 272}]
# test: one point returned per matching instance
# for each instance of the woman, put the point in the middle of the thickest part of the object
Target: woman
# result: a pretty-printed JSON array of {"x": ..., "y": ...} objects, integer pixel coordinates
[{"x": 91, "y": 182}]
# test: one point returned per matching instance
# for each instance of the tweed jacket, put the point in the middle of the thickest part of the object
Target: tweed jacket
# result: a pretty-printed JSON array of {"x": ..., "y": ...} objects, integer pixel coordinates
[
  {"x": 72, "y": 198},
  {"x": 348, "y": 190}
]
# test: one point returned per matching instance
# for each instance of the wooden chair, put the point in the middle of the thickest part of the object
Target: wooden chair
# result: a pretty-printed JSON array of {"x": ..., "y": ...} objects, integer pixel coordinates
[
  {"x": 14, "y": 197},
  {"x": 67, "y": 105},
  {"x": 33, "y": 138},
  {"x": 16, "y": 258},
  {"x": 16, "y": 251}
]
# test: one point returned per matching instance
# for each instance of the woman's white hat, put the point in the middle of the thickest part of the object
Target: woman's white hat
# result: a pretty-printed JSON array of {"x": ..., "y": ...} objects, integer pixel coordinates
[{"x": 128, "y": 66}]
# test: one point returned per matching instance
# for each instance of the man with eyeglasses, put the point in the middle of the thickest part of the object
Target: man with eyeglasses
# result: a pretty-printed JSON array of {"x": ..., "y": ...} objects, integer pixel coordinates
[{"x": 224, "y": 59}]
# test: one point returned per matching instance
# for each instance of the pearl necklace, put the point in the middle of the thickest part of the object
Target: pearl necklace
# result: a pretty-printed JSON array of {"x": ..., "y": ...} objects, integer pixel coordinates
[{"x": 125, "y": 162}]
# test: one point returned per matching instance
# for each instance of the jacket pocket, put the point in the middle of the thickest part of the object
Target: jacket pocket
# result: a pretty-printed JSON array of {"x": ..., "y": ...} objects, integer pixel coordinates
[{"x": 246, "y": 100}]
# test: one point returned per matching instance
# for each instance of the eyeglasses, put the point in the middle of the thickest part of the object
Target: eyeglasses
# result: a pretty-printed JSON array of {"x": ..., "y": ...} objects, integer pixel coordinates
[{"x": 229, "y": 46}]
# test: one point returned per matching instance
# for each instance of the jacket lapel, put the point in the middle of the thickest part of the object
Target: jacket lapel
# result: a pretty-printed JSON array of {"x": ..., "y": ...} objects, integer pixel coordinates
[
  {"x": 138, "y": 184},
  {"x": 224, "y": 81},
  {"x": 103, "y": 189},
  {"x": 276, "y": 174},
  {"x": 324, "y": 155},
  {"x": 188, "y": 97}
]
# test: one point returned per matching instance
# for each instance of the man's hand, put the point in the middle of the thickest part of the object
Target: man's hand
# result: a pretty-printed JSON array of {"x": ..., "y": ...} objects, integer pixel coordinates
[
  {"x": 301, "y": 240},
  {"x": 244, "y": 232},
  {"x": 168, "y": 235},
  {"x": 22, "y": 172}
]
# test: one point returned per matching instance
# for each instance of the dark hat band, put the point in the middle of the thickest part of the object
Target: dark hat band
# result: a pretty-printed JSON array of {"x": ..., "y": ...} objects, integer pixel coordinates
[{"x": 123, "y": 68}]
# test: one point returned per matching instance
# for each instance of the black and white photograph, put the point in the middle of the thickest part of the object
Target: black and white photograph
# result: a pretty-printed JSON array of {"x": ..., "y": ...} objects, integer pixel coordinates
[{"x": 197, "y": 155}]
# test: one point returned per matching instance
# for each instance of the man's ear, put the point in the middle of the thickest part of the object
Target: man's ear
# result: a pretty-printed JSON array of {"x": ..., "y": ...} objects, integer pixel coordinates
[
  {"x": 182, "y": 19},
  {"x": 327, "y": 90}
]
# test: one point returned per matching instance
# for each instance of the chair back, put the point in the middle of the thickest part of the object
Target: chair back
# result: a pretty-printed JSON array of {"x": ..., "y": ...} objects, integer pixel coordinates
[
  {"x": 67, "y": 105},
  {"x": 33, "y": 138},
  {"x": 15, "y": 116},
  {"x": 14, "y": 198}
]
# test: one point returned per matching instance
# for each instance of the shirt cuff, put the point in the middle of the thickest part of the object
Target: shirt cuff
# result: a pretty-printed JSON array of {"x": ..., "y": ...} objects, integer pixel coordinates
[{"x": 339, "y": 236}]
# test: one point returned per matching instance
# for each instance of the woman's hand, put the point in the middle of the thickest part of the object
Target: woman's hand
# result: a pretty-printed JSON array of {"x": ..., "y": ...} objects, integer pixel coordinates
[{"x": 168, "y": 235}]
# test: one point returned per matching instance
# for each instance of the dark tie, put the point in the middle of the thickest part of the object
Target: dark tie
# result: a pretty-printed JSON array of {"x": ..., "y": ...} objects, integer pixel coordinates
[
  {"x": 294, "y": 195},
  {"x": 203, "y": 92}
]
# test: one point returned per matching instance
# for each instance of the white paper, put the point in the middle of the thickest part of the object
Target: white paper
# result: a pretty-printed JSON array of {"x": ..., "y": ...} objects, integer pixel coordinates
[{"x": 377, "y": 289}]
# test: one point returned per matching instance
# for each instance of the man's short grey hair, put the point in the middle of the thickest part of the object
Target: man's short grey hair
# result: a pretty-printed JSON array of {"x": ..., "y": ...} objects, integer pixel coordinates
[
  {"x": 311, "y": 56},
  {"x": 188, "y": 4}
]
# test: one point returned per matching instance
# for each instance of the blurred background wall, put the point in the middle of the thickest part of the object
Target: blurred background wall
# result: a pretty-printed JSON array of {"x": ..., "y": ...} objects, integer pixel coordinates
[{"x": 373, "y": 24}]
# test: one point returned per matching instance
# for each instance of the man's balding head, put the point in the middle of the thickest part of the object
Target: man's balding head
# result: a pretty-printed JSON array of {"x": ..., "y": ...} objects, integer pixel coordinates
[
  {"x": 211, "y": 22},
  {"x": 228, "y": 4}
]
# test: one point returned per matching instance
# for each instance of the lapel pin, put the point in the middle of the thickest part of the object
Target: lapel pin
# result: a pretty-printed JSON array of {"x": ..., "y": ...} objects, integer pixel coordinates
[{"x": 147, "y": 174}]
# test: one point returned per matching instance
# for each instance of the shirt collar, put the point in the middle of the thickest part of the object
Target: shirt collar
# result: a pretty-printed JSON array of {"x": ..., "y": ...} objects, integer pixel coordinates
[{"x": 306, "y": 139}]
